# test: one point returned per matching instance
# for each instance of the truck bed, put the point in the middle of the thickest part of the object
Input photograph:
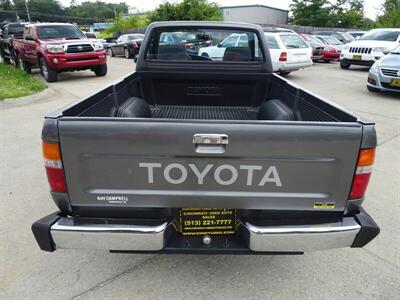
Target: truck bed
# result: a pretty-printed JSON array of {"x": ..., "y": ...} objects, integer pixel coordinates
[{"x": 259, "y": 98}]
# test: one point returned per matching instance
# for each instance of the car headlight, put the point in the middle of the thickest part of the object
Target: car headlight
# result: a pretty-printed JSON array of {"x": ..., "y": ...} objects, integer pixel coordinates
[
  {"x": 374, "y": 68},
  {"x": 98, "y": 46},
  {"x": 55, "y": 48},
  {"x": 380, "y": 49}
]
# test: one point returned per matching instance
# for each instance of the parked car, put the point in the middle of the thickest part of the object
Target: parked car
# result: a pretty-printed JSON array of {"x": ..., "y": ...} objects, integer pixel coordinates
[
  {"x": 357, "y": 34},
  {"x": 370, "y": 48},
  {"x": 330, "y": 52},
  {"x": 317, "y": 46},
  {"x": 59, "y": 47},
  {"x": 127, "y": 45},
  {"x": 384, "y": 74},
  {"x": 217, "y": 52},
  {"x": 288, "y": 51},
  {"x": 8, "y": 33},
  {"x": 202, "y": 156},
  {"x": 107, "y": 43},
  {"x": 330, "y": 40},
  {"x": 344, "y": 37},
  {"x": 191, "y": 41}
]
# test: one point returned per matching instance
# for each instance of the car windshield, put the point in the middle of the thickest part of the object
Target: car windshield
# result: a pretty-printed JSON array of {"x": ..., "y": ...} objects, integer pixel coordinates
[
  {"x": 348, "y": 36},
  {"x": 13, "y": 29},
  {"x": 205, "y": 45},
  {"x": 313, "y": 39},
  {"x": 59, "y": 32},
  {"x": 381, "y": 35},
  {"x": 293, "y": 41},
  {"x": 333, "y": 41}
]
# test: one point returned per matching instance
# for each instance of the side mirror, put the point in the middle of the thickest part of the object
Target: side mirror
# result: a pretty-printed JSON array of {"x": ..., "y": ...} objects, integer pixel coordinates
[
  {"x": 220, "y": 45},
  {"x": 386, "y": 52},
  {"x": 29, "y": 37},
  {"x": 135, "y": 59}
]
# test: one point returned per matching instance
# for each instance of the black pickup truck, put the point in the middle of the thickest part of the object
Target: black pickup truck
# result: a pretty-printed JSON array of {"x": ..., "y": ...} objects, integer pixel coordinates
[
  {"x": 191, "y": 154},
  {"x": 8, "y": 33}
]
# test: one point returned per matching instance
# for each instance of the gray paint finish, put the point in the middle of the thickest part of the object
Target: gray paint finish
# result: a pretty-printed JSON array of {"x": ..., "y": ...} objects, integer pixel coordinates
[{"x": 315, "y": 164}]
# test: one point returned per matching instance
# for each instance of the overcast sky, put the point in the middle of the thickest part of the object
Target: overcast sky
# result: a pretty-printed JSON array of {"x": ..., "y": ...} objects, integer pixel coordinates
[{"x": 371, "y": 5}]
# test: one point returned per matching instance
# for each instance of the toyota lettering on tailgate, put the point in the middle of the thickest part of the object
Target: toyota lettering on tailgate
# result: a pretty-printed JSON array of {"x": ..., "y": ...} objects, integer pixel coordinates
[{"x": 223, "y": 174}]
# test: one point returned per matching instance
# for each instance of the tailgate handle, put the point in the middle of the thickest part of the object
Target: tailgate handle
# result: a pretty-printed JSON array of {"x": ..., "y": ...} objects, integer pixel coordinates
[{"x": 210, "y": 143}]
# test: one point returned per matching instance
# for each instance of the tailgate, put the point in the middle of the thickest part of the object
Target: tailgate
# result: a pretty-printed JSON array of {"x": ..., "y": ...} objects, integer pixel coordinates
[{"x": 264, "y": 165}]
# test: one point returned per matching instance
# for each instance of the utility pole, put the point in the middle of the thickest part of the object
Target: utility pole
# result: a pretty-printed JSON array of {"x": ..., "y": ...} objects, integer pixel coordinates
[
  {"x": 27, "y": 10},
  {"x": 115, "y": 12}
]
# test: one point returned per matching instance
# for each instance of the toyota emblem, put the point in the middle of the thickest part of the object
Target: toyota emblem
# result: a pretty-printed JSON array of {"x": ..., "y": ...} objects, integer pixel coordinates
[{"x": 398, "y": 74}]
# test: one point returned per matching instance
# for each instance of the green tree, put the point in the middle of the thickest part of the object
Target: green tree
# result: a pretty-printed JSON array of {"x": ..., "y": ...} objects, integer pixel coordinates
[
  {"x": 6, "y": 5},
  {"x": 97, "y": 11},
  {"x": 349, "y": 14},
  {"x": 131, "y": 22},
  {"x": 324, "y": 13},
  {"x": 200, "y": 10},
  {"x": 6, "y": 10},
  {"x": 391, "y": 16},
  {"x": 39, "y": 10},
  {"x": 311, "y": 13},
  {"x": 391, "y": 5}
]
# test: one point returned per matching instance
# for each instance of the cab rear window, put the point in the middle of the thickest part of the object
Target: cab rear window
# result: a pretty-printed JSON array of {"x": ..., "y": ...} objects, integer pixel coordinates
[
  {"x": 205, "y": 45},
  {"x": 293, "y": 41}
]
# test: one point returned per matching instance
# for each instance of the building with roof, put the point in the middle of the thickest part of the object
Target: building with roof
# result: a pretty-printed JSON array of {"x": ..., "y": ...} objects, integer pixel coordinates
[{"x": 257, "y": 14}]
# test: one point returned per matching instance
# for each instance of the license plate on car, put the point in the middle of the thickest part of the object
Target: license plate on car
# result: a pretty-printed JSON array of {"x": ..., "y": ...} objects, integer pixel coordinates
[
  {"x": 207, "y": 221},
  {"x": 395, "y": 82},
  {"x": 357, "y": 57}
]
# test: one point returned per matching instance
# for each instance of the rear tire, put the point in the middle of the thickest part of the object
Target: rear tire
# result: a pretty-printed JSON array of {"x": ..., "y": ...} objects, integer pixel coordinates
[
  {"x": 110, "y": 52},
  {"x": 49, "y": 74},
  {"x": 14, "y": 61},
  {"x": 127, "y": 53},
  {"x": 204, "y": 54},
  {"x": 344, "y": 65},
  {"x": 284, "y": 74},
  {"x": 100, "y": 70},
  {"x": 24, "y": 66},
  {"x": 372, "y": 89}
]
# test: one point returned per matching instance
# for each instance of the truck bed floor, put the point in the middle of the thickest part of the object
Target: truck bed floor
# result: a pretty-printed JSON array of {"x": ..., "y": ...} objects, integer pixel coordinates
[{"x": 204, "y": 112}]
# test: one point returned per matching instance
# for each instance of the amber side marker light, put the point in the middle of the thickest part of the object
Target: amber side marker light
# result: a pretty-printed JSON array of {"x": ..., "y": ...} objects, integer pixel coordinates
[
  {"x": 54, "y": 167},
  {"x": 362, "y": 176}
]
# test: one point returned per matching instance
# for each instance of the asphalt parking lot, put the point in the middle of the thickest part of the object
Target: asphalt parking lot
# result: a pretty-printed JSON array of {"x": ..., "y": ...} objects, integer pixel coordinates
[{"x": 28, "y": 273}]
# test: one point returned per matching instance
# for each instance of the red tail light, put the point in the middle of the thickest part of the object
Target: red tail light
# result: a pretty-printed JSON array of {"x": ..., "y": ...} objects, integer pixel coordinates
[
  {"x": 54, "y": 167},
  {"x": 283, "y": 56},
  {"x": 363, "y": 174},
  {"x": 56, "y": 180}
]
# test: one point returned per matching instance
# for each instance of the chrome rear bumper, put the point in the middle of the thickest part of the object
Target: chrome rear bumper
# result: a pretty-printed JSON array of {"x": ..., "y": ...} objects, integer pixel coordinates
[
  {"x": 106, "y": 236},
  {"x": 56, "y": 232},
  {"x": 303, "y": 238}
]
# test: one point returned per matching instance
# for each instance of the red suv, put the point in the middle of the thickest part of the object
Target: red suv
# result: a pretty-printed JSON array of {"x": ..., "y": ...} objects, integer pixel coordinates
[{"x": 59, "y": 47}]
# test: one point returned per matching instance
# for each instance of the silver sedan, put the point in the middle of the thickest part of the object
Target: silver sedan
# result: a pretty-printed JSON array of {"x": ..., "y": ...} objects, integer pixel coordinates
[{"x": 384, "y": 75}]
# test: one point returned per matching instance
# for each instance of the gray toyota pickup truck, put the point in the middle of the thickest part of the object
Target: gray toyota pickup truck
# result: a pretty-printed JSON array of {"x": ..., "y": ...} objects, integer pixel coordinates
[{"x": 206, "y": 154}]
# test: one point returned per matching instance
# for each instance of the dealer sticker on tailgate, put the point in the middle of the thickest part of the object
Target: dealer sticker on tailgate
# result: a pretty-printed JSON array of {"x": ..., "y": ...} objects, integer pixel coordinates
[{"x": 211, "y": 221}]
